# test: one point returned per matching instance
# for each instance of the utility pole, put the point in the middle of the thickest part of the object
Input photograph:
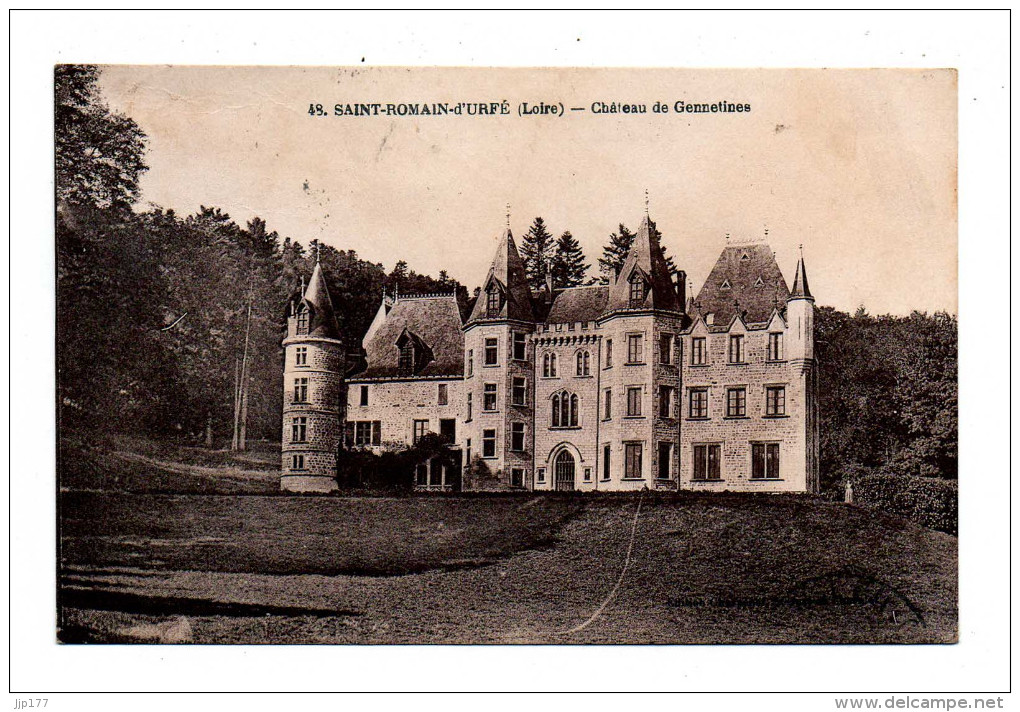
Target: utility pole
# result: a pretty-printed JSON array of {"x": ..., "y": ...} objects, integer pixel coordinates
[{"x": 241, "y": 403}]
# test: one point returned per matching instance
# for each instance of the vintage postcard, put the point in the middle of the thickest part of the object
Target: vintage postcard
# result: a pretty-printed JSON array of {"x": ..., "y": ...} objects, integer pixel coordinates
[{"x": 496, "y": 356}]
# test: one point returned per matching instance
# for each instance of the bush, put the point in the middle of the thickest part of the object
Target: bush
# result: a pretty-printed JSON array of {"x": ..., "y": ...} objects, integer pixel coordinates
[
  {"x": 929, "y": 501},
  {"x": 391, "y": 469}
]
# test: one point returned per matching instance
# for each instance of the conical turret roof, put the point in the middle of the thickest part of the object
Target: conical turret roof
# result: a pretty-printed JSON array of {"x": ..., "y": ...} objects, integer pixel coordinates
[
  {"x": 507, "y": 275},
  {"x": 800, "y": 286},
  {"x": 322, "y": 318},
  {"x": 645, "y": 261}
]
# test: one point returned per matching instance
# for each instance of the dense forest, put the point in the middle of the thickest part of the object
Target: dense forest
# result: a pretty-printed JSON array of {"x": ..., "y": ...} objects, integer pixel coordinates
[{"x": 156, "y": 311}]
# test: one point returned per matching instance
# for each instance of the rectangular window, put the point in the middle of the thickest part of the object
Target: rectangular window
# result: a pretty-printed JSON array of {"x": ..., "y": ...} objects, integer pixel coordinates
[
  {"x": 489, "y": 397},
  {"x": 467, "y": 452},
  {"x": 299, "y": 429},
  {"x": 633, "y": 461},
  {"x": 606, "y": 461},
  {"x": 421, "y": 474},
  {"x": 302, "y": 320},
  {"x": 406, "y": 361},
  {"x": 364, "y": 395},
  {"x": 609, "y": 353},
  {"x": 587, "y": 474},
  {"x": 775, "y": 347},
  {"x": 775, "y": 400},
  {"x": 736, "y": 348},
  {"x": 634, "y": 401},
  {"x": 698, "y": 351},
  {"x": 607, "y": 408},
  {"x": 516, "y": 477},
  {"x": 520, "y": 350},
  {"x": 666, "y": 348},
  {"x": 376, "y": 432},
  {"x": 492, "y": 303},
  {"x": 706, "y": 462},
  {"x": 448, "y": 429},
  {"x": 519, "y": 392},
  {"x": 300, "y": 390},
  {"x": 765, "y": 461},
  {"x": 541, "y": 474},
  {"x": 420, "y": 428},
  {"x": 489, "y": 442},
  {"x": 665, "y": 471},
  {"x": 666, "y": 406},
  {"x": 297, "y": 462},
  {"x": 363, "y": 432},
  {"x": 444, "y": 394},
  {"x": 301, "y": 356},
  {"x": 491, "y": 352},
  {"x": 517, "y": 437},
  {"x": 637, "y": 292},
  {"x": 471, "y": 363},
  {"x": 469, "y": 404},
  {"x": 635, "y": 352},
  {"x": 736, "y": 402},
  {"x": 699, "y": 403}
]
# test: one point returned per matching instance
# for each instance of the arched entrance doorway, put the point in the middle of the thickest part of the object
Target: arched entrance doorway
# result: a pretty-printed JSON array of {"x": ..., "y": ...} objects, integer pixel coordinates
[{"x": 563, "y": 477}]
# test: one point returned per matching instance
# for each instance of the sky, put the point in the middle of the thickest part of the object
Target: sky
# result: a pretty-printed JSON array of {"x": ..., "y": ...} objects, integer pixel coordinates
[{"x": 857, "y": 166}]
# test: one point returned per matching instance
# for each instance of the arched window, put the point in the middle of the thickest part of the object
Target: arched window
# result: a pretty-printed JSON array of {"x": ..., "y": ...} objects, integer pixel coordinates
[
  {"x": 583, "y": 363},
  {"x": 564, "y": 410},
  {"x": 549, "y": 365},
  {"x": 302, "y": 319}
]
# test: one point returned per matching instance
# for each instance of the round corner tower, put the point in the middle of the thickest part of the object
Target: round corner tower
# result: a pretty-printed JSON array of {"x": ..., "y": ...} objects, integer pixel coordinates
[{"x": 313, "y": 396}]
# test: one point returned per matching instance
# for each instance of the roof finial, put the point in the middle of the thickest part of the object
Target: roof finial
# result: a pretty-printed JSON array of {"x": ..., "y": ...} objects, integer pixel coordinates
[
  {"x": 508, "y": 216},
  {"x": 801, "y": 248},
  {"x": 766, "y": 231},
  {"x": 318, "y": 248},
  {"x": 646, "y": 202}
]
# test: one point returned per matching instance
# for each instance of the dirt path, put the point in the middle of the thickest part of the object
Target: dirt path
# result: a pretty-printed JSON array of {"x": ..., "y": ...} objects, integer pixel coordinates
[{"x": 200, "y": 470}]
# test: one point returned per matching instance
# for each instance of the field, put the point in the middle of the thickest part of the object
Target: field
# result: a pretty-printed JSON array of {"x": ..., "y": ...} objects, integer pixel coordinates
[{"x": 197, "y": 566}]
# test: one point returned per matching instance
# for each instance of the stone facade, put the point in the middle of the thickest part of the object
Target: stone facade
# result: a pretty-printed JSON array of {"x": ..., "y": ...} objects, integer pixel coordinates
[{"x": 620, "y": 387}]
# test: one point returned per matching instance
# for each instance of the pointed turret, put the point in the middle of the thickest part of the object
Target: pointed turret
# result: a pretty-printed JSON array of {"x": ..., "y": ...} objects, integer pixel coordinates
[
  {"x": 644, "y": 280},
  {"x": 800, "y": 284},
  {"x": 505, "y": 291},
  {"x": 322, "y": 318}
]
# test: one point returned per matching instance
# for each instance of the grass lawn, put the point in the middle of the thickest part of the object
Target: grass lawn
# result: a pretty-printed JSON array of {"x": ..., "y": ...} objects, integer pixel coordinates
[{"x": 499, "y": 569}]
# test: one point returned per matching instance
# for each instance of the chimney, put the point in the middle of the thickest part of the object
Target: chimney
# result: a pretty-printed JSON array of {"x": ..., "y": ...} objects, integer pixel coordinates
[
  {"x": 549, "y": 283},
  {"x": 681, "y": 285}
]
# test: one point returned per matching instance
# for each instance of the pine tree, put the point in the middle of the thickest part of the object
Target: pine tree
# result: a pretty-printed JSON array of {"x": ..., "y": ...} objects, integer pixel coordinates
[
  {"x": 568, "y": 266},
  {"x": 537, "y": 251},
  {"x": 614, "y": 254}
]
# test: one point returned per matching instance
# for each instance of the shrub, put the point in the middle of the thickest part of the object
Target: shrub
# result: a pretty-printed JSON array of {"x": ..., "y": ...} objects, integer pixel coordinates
[
  {"x": 929, "y": 501},
  {"x": 392, "y": 469}
]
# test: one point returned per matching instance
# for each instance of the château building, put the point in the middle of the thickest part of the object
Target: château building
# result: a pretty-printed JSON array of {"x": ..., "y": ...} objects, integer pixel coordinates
[{"x": 614, "y": 387}]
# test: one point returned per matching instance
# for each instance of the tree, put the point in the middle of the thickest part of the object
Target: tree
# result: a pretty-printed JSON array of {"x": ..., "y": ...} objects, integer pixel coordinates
[
  {"x": 615, "y": 253},
  {"x": 537, "y": 250},
  {"x": 568, "y": 266},
  {"x": 99, "y": 154}
]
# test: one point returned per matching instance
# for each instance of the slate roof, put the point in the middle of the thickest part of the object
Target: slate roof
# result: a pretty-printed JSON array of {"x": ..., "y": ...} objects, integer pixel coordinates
[
  {"x": 322, "y": 318},
  {"x": 578, "y": 304},
  {"x": 432, "y": 321},
  {"x": 507, "y": 273},
  {"x": 645, "y": 256},
  {"x": 744, "y": 275},
  {"x": 800, "y": 285}
]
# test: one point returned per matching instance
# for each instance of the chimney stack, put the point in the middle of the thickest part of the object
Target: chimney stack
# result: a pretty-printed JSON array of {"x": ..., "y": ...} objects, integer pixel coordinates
[{"x": 681, "y": 285}]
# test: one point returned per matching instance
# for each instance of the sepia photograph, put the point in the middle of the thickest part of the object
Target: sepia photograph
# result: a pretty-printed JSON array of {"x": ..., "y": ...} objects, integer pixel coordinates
[{"x": 546, "y": 356}]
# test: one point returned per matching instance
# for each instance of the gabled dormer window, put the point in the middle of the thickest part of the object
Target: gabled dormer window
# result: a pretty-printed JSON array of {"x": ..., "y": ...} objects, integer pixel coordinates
[
  {"x": 637, "y": 290},
  {"x": 492, "y": 303},
  {"x": 406, "y": 362},
  {"x": 302, "y": 319}
]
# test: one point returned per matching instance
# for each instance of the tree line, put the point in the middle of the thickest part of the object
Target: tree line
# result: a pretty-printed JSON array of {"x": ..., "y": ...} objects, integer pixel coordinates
[{"x": 154, "y": 310}]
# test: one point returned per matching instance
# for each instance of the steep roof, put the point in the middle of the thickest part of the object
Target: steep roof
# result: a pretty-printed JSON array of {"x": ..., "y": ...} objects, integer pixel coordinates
[
  {"x": 800, "y": 285},
  {"x": 578, "y": 304},
  {"x": 322, "y": 318},
  {"x": 506, "y": 274},
  {"x": 744, "y": 275},
  {"x": 432, "y": 322},
  {"x": 644, "y": 259}
]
